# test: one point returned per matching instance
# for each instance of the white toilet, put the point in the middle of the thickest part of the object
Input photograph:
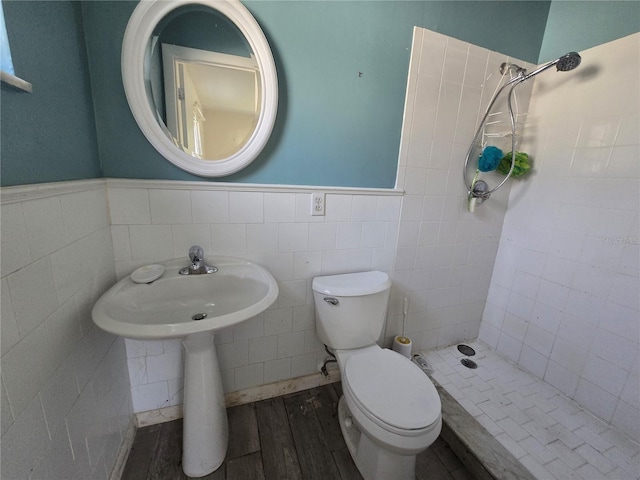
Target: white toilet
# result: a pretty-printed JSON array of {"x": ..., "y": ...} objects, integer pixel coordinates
[{"x": 390, "y": 410}]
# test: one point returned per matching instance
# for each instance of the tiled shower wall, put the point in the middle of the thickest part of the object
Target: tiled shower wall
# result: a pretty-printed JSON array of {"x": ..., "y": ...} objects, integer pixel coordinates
[
  {"x": 152, "y": 222},
  {"x": 445, "y": 254},
  {"x": 563, "y": 301},
  {"x": 66, "y": 402}
]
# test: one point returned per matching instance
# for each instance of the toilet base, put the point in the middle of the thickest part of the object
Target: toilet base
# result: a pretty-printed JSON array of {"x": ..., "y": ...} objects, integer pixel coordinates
[{"x": 373, "y": 461}]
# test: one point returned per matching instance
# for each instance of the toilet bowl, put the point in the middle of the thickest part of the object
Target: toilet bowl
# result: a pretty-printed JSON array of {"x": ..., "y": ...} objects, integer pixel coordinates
[{"x": 390, "y": 410}]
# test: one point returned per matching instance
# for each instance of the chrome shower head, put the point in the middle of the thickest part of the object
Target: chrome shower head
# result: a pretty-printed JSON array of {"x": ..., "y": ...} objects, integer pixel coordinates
[
  {"x": 565, "y": 63},
  {"x": 568, "y": 62}
]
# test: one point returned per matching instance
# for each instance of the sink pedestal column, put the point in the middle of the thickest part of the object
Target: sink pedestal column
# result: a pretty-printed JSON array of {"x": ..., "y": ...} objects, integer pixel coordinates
[{"x": 206, "y": 431}]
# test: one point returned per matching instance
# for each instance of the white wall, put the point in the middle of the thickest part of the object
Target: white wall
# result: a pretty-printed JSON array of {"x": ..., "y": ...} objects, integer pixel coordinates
[
  {"x": 563, "y": 301},
  {"x": 65, "y": 392},
  {"x": 445, "y": 254},
  {"x": 154, "y": 221}
]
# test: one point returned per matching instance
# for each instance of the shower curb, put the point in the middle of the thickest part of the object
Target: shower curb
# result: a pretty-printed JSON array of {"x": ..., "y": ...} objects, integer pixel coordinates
[{"x": 476, "y": 448}]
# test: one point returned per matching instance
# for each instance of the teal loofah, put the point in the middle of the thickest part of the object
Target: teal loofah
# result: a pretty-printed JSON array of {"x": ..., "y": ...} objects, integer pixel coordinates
[{"x": 489, "y": 159}]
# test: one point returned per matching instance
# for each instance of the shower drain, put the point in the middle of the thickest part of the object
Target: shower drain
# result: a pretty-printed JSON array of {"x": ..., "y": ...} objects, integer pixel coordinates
[
  {"x": 466, "y": 350},
  {"x": 469, "y": 363}
]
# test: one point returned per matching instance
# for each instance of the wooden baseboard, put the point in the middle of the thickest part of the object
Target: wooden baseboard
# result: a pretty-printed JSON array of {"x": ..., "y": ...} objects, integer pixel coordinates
[
  {"x": 241, "y": 397},
  {"x": 160, "y": 415}
]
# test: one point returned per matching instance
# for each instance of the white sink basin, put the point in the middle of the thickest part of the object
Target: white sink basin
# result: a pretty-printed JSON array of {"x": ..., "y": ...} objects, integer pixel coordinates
[
  {"x": 175, "y": 305},
  {"x": 166, "y": 308}
]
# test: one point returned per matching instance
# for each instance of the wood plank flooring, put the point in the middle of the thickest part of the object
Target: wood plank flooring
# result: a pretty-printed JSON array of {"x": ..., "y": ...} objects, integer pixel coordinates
[{"x": 294, "y": 437}]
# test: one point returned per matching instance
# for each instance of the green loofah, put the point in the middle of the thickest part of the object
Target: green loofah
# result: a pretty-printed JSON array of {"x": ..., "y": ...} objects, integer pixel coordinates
[{"x": 521, "y": 166}]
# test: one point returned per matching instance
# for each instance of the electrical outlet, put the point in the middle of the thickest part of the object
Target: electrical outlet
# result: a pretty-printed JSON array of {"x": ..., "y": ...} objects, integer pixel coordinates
[{"x": 317, "y": 203}]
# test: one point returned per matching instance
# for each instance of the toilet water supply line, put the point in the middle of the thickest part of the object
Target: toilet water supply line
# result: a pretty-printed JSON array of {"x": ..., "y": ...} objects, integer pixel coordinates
[{"x": 328, "y": 360}]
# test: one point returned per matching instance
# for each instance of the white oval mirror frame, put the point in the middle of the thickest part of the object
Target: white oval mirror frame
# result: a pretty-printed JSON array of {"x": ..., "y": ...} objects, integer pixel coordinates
[{"x": 143, "y": 21}]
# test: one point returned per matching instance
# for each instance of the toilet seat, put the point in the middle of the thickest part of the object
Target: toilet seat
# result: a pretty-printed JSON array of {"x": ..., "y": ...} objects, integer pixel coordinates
[{"x": 391, "y": 391}]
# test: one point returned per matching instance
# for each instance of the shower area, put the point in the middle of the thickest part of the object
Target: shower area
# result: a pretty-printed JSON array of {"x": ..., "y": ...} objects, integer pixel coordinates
[{"x": 543, "y": 274}]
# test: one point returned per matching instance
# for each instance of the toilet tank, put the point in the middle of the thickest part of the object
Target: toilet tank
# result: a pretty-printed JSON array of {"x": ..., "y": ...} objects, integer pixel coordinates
[{"x": 351, "y": 308}]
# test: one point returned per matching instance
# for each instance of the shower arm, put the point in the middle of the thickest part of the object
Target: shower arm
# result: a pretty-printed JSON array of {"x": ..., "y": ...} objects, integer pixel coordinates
[
  {"x": 513, "y": 83},
  {"x": 541, "y": 69}
]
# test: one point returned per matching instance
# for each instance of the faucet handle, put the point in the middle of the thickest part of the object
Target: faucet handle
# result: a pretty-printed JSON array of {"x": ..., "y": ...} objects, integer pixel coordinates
[{"x": 196, "y": 253}]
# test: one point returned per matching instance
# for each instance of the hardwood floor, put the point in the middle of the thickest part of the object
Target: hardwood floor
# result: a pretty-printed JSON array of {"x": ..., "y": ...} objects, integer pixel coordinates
[{"x": 294, "y": 437}]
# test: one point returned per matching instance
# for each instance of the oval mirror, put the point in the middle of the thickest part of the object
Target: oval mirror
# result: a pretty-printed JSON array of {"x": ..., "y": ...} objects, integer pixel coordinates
[{"x": 201, "y": 83}]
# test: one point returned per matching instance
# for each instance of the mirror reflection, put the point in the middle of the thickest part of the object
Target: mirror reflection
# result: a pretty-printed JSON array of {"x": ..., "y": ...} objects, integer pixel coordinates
[{"x": 203, "y": 82}]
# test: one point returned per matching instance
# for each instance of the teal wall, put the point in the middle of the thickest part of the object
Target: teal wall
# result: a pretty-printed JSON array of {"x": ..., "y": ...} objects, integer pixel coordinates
[
  {"x": 333, "y": 127},
  {"x": 48, "y": 135},
  {"x": 575, "y": 26}
]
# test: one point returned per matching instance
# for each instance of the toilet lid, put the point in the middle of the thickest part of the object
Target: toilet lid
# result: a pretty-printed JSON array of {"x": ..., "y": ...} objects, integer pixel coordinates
[{"x": 393, "y": 389}]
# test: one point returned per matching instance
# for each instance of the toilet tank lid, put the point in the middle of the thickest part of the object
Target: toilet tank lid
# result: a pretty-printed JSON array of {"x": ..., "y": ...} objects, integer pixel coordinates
[{"x": 352, "y": 284}]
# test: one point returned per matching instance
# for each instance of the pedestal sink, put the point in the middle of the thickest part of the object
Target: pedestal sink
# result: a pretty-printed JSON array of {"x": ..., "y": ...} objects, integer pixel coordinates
[{"x": 192, "y": 307}]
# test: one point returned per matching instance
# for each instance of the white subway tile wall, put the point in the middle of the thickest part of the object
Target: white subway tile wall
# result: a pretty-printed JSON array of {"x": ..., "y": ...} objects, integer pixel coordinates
[
  {"x": 275, "y": 230},
  {"x": 563, "y": 300},
  {"x": 445, "y": 254},
  {"x": 66, "y": 402}
]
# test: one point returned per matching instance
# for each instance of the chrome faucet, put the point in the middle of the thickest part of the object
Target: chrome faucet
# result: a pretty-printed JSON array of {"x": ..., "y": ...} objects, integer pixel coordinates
[{"x": 197, "y": 264}]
